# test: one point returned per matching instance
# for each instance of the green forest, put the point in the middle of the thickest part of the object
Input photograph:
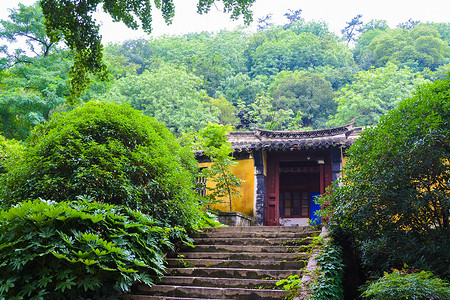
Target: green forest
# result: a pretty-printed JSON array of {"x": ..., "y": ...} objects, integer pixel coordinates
[
  {"x": 298, "y": 75},
  {"x": 98, "y": 178}
]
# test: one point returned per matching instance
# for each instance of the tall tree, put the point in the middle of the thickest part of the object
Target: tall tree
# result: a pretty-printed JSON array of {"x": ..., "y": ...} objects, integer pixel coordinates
[
  {"x": 25, "y": 24},
  {"x": 418, "y": 48},
  {"x": 171, "y": 95},
  {"x": 277, "y": 49},
  {"x": 241, "y": 87},
  {"x": 72, "y": 21},
  {"x": 410, "y": 24},
  {"x": 352, "y": 29},
  {"x": 293, "y": 16},
  {"x": 264, "y": 113},
  {"x": 374, "y": 93},
  {"x": 308, "y": 93},
  {"x": 265, "y": 22}
]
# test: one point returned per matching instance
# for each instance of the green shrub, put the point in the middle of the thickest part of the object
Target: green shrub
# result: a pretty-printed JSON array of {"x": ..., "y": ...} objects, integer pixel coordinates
[
  {"x": 399, "y": 285},
  {"x": 114, "y": 154},
  {"x": 329, "y": 284},
  {"x": 78, "y": 250}
]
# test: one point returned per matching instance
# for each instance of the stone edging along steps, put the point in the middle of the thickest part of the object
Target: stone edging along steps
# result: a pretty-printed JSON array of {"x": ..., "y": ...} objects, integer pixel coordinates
[{"x": 232, "y": 263}]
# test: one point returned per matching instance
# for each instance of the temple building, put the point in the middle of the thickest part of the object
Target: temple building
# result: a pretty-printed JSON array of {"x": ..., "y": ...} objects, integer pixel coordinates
[{"x": 283, "y": 171}]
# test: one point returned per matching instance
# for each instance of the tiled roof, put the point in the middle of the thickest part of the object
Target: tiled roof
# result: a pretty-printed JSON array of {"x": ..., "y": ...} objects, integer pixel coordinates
[{"x": 244, "y": 141}]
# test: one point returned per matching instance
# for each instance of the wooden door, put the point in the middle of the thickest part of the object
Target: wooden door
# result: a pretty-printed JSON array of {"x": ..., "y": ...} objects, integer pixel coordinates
[{"x": 272, "y": 200}]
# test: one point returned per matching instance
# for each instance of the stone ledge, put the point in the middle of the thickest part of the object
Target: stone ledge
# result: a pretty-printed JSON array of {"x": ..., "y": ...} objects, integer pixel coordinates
[{"x": 234, "y": 218}]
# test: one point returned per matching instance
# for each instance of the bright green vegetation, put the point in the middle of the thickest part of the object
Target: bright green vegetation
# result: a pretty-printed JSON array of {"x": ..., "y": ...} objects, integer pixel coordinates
[
  {"x": 73, "y": 22},
  {"x": 10, "y": 150},
  {"x": 213, "y": 142},
  {"x": 326, "y": 281},
  {"x": 82, "y": 248},
  {"x": 401, "y": 285}
]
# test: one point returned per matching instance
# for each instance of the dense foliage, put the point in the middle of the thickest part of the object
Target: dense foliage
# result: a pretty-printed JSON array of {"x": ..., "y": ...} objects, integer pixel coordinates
[
  {"x": 69, "y": 250},
  {"x": 112, "y": 153},
  {"x": 276, "y": 78},
  {"x": 373, "y": 93},
  {"x": 169, "y": 94},
  {"x": 400, "y": 285},
  {"x": 394, "y": 198}
]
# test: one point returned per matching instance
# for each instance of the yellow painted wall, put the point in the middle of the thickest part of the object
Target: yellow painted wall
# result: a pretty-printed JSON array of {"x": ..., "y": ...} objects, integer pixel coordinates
[{"x": 244, "y": 204}]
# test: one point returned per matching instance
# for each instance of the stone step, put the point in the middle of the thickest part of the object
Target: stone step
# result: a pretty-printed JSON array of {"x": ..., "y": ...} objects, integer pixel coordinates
[
  {"x": 240, "y": 255},
  {"x": 247, "y": 264},
  {"x": 211, "y": 292},
  {"x": 248, "y": 248},
  {"x": 146, "y": 297},
  {"x": 222, "y": 282},
  {"x": 252, "y": 241},
  {"x": 260, "y": 229},
  {"x": 232, "y": 234},
  {"x": 232, "y": 273}
]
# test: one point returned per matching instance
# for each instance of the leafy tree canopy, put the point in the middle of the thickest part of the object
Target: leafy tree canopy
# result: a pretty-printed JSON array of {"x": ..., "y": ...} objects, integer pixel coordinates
[
  {"x": 278, "y": 49},
  {"x": 373, "y": 93},
  {"x": 419, "y": 48},
  {"x": 72, "y": 21},
  {"x": 26, "y": 23},
  {"x": 171, "y": 95},
  {"x": 353, "y": 28},
  {"x": 308, "y": 93}
]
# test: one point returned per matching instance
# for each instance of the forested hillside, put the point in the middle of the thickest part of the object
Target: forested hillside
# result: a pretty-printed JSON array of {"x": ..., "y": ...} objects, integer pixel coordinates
[{"x": 291, "y": 76}]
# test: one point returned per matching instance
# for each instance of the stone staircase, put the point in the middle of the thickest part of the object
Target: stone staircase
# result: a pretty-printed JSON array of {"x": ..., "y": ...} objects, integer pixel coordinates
[{"x": 232, "y": 263}]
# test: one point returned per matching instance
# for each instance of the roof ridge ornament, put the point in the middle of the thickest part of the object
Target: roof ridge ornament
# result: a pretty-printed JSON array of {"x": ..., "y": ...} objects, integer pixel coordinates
[{"x": 282, "y": 134}]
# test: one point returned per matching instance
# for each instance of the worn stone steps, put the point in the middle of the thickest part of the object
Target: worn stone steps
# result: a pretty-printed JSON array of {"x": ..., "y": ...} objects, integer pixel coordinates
[
  {"x": 147, "y": 297},
  {"x": 232, "y": 272},
  {"x": 248, "y": 248},
  {"x": 252, "y": 241},
  {"x": 255, "y": 235},
  {"x": 260, "y": 229},
  {"x": 215, "y": 292},
  {"x": 232, "y": 263},
  {"x": 216, "y": 281},
  {"x": 256, "y": 255}
]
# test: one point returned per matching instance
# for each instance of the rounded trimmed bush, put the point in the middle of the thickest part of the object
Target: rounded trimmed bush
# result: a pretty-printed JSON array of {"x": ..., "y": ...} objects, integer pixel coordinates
[{"x": 114, "y": 154}]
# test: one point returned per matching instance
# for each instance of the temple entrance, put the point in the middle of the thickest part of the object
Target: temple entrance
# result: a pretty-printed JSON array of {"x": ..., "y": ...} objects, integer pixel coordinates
[
  {"x": 294, "y": 180},
  {"x": 299, "y": 183}
]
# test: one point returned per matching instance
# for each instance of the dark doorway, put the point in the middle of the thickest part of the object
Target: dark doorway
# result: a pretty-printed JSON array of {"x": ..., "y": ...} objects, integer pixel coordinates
[{"x": 299, "y": 183}]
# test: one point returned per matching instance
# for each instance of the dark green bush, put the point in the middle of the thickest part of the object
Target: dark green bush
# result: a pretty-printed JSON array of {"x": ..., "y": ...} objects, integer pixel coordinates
[
  {"x": 78, "y": 250},
  {"x": 393, "y": 199},
  {"x": 114, "y": 154},
  {"x": 416, "y": 286}
]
